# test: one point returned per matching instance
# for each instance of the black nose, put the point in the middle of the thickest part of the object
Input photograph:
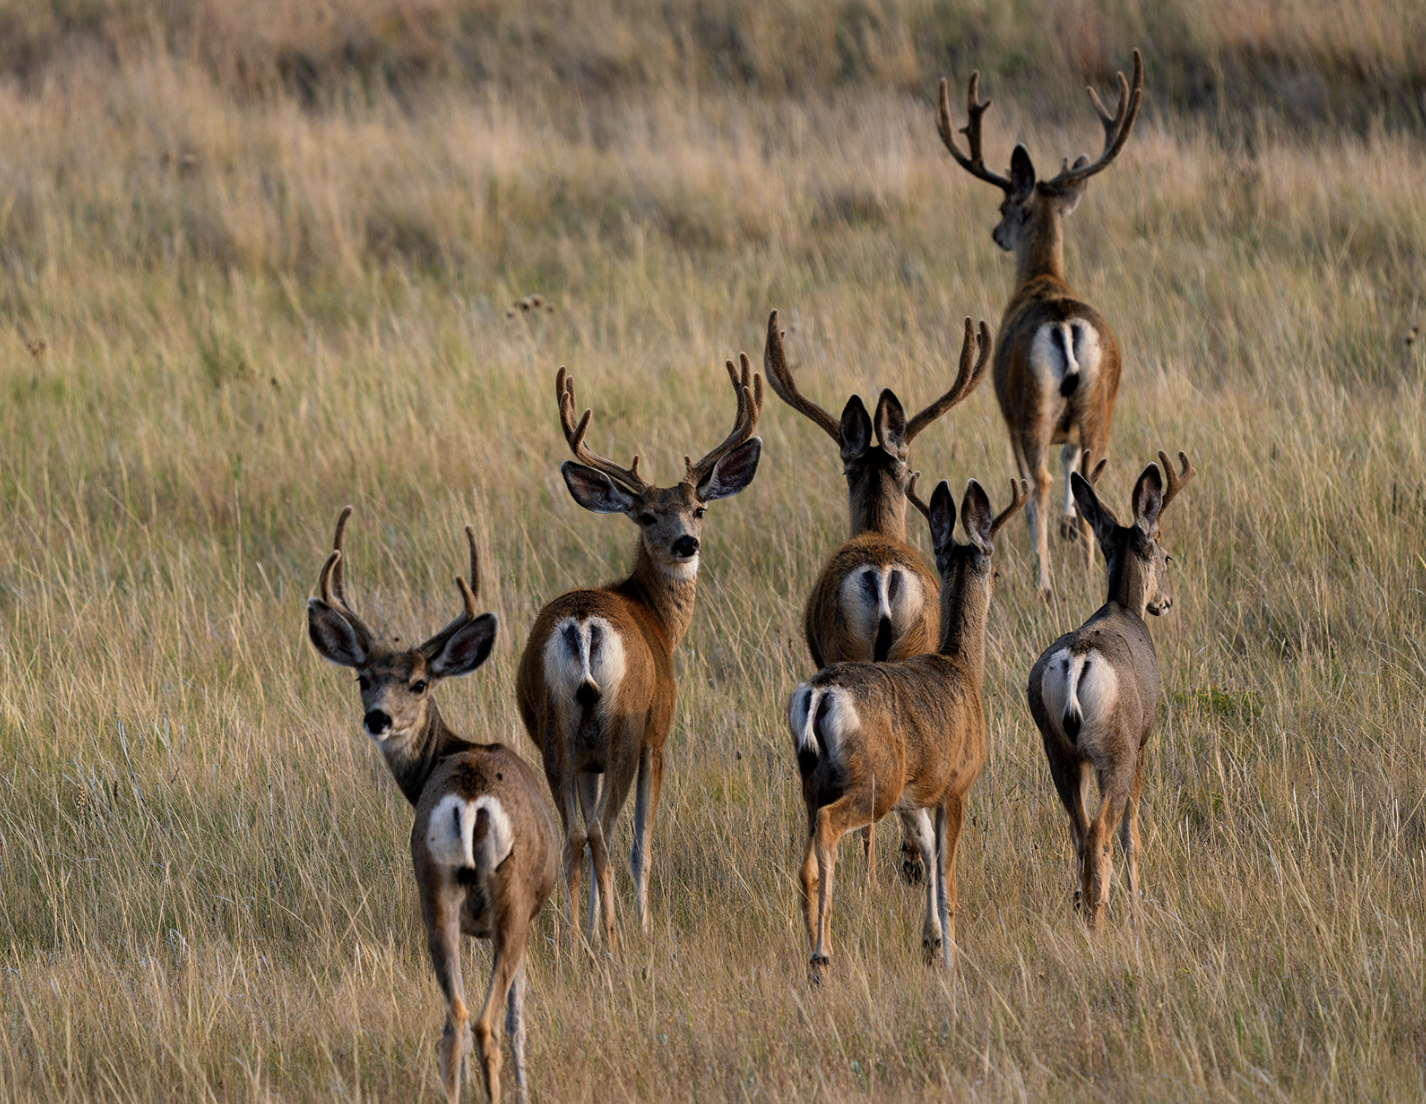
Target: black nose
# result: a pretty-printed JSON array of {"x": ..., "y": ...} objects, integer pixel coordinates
[
  {"x": 377, "y": 722},
  {"x": 685, "y": 546}
]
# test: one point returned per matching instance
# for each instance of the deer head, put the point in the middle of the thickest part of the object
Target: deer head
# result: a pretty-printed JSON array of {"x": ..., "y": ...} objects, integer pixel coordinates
[
  {"x": 1136, "y": 561},
  {"x": 670, "y": 519},
  {"x": 875, "y": 447},
  {"x": 396, "y": 683},
  {"x": 981, "y": 524},
  {"x": 1031, "y": 204}
]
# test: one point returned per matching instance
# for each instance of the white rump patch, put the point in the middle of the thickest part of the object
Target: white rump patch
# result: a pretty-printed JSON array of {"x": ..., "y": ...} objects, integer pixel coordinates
[
  {"x": 578, "y": 652},
  {"x": 1062, "y": 349},
  {"x": 825, "y": 709},
  {"x": 799, "y": 718},
  {"x": 1085, "y": 685},
  {"x": 451, "y": 829},
  {"x": 870, "y": 592}
]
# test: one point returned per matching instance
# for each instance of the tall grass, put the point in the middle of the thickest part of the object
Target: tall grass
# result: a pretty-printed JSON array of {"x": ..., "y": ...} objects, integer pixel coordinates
[{"x": 253, "y": 313}]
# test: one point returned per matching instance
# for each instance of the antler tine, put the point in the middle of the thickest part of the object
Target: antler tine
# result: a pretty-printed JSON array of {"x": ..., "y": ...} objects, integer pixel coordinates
[
  {"x": 975, "y": 163},
  {"x": 472, "y": 591},
  {"x": 1020, "y": 494},
  {"x": 329, "y": 582},
  {"x": 1176, "y": 482},
  {"x": 966, "y": 381},
  {"x": 1091, "y": 475},
  {"x": 914, "y": 499},
  {"x": 574, "y": 434},
  {"x": 748, "y": 387},
  {"x": 469, "y": 592},
  {"x": 1116, "y": 127},
  {"x": 785, "y": 387}
]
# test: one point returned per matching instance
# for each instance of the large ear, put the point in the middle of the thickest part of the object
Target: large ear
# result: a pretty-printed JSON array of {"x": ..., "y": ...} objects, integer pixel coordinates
[
  {"x": 855, "y": 429},
  {"x": 333, "y": 636},
  {"x": 942, "y": 516},
  {"x": 1022, "y": 173},
  {"x": 977, "y": 517},
  {"x": 734, "y": 471},
  {"x": 1101, "y": 519},
  {"x": 594, "y": 490},
  {"x": 890, "y": 422},
  {"x": 467, "y": 648},
  {"x": 1148, "y": 498}
]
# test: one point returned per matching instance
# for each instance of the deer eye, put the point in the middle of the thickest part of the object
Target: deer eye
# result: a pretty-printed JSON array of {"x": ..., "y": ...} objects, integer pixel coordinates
[
  {"x": 419, "y": 686},
  {"x": 698, "y": 513},
  {"x": 647, "y": 519},
  {"x": 364, "y": 682}
]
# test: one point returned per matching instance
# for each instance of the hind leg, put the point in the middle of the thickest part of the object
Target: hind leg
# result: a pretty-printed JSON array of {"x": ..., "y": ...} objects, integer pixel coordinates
[
  {"x": 590, "y": 786},
  {"x": 509, "y": 951},
  {"x": 833, "y": 822},
  {"x": 1069, "y": 520},
  {"x": 1129, "y": 835},
  {"x": 915, "y": 838},
  {"x": 1031, "y": 456},
  {"x": 646, "y": 803},
  {"x": 515, "y": 1028}
]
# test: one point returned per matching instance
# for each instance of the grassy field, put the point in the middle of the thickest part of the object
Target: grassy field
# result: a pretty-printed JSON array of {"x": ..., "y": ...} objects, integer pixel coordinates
[{"x": 228, "y": 314}]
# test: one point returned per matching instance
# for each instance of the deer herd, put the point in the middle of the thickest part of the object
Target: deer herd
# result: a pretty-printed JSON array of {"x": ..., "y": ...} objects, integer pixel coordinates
[{"x": 894, "y": 717}]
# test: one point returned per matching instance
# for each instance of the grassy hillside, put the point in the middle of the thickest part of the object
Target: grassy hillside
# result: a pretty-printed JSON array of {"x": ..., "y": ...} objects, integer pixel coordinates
[{"x": 228, "y": 314}]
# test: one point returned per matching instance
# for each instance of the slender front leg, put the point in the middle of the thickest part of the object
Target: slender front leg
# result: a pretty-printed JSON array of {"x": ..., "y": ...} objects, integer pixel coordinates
[
  {"x": 646, "y": 803},
  {"x": 1129, "y": 835},
  {"x": 808, "y": 881},
  {"x": 925, "y": 839},
  {"x": 916, "y": 838},
  {"x": 949, "y": 824},
  {"x": 509, "y": 951}
]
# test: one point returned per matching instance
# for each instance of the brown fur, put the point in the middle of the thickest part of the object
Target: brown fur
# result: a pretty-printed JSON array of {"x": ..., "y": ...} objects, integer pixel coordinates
[
  {"x": 594, "y": 749},
  {"x": 430, "y": 763},
  {"x": 1037, "y": 412},
  {"x": 1110, "y": 741},
  {"x": 917, "y": 737}
]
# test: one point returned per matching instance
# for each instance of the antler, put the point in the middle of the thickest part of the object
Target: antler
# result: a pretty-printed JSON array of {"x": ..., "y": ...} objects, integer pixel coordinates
[
  {"x": 1175, "y": 482},
  {"x": 966, "y": 381},
  {"x": 329, "y": 583},
  {"x": 1020, "y": 494},
  {"x": 785, "y": 387},
  {"x": 975, "y": 163},
  {"x": 1116, "y": 129},
  {"x": 748, "y": 386},
  {"x": 469, "y": 592},
  {"x": 574, "y": 433},
  {"x": 1091, "y": 476},
  {"x": 914, "y": 499}
]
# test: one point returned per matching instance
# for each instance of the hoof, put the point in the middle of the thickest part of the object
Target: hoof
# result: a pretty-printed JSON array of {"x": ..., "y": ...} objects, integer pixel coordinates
[
  {"x": 1069, "y": 527},
  {"x": 1078, "y": 899},
  {"x": 913, "y": 869},
  {"x": 817, "y": 968},
  {"x": 931, "y": 950}
]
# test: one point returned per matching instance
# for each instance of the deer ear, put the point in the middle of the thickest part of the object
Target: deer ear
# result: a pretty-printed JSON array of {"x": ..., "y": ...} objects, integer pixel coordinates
[
  {"x": 1099, "y": 516},
  {"x": 1148, "y": 498},
  {"x": 890, "y": 422},
  {"x": 942, "y": 517},
  {"x": 733, "y": 471},
  {"x": 333, "y": 636},
  {"x": 855, "y": 429},
  {"x": 977, "y": 517},
  {"x": 467, "y": 648},
  {"x": 1022, "y": 173},
  {"x": 594, "y": 490}
]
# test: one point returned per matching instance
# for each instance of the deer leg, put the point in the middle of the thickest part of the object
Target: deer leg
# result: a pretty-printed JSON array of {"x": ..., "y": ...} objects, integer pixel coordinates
[
  {"x": 948, "y": 831},
  {"x": 646, "y": 803},
  {"x": 509, "y": 951},
  {"x": 1097, "y": 862},
  {"x": 573, "y": 859},
  {"x": 916, "y": 843},
  {"x": 590, "y": 786},
  {"x": 1069, "y": 521},
  {"x": 1129, "y": 834},
  {"x": 808, "y": 881},
  {"x": 869, "y": 852},
  {"x": 617, "y": 779},
  {"x": 442, "y": 916},
  {"x": 1071, "y": 778},
  {"x": 831, "y": 827},
  {"x": 932, "y": 934},
  {"x": 1033, "y": 468},
  {"x": 515, "y": 1028}
]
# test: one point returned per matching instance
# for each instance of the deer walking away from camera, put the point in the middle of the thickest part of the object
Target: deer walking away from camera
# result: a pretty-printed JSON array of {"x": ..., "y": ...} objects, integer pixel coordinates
[
  {"x": 873, "y": 737},
  {"x": 595, "y": 682},
  {"x": 875, "y": 599},
  {"x": 1094, "y": 692},
  {"x": 483, "y": 844},
  {"x": 1057, "y": 364}
]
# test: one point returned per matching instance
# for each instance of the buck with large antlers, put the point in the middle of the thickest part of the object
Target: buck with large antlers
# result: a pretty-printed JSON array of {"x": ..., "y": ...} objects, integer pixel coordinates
[
  {"x": 483, "y": 844},
  {"x": 875, "y": 599},
  {"x": 1057, "y": 364},
  {"x": 595, "y": 683},
  {"x": 1094, "y": 692},
  {"x": 873, "y": 737}
]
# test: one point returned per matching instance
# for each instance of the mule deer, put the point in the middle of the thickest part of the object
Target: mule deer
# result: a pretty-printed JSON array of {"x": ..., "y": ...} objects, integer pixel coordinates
[
  {"x": 873, "y": 737},
  {"x": 483, "y": 843},
  {"x": 875, "y": 599},
  {"x": 1094, "y": 692},
  {"x": 595, "y": 683},
  {"x": 1057, "y": 364}
]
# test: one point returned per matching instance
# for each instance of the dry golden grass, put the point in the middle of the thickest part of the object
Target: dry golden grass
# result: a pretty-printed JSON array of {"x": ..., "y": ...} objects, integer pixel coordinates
[{"x": 252, "y": 314}]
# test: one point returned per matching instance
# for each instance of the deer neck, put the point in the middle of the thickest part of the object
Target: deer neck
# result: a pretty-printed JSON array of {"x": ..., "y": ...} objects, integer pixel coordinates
[
  {"x": 414, "y": 759},
  {"x": 1128, "y": 585},
  {"x": 965, "y": 601},
  {"x": 667, "y": 591},
  {"x": 877, "y": 505},
  {"x": 1040, "y": 251}
]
